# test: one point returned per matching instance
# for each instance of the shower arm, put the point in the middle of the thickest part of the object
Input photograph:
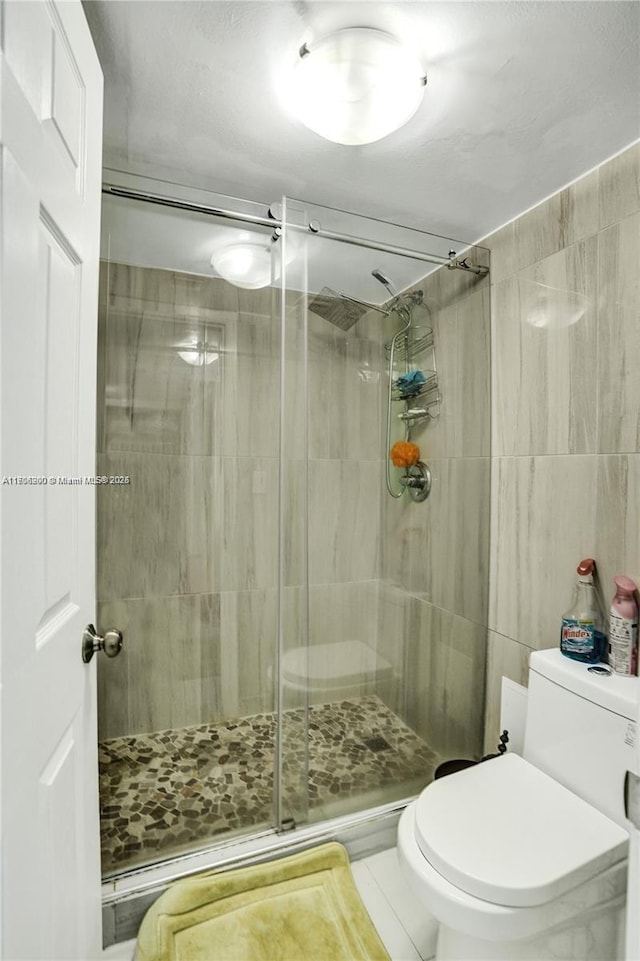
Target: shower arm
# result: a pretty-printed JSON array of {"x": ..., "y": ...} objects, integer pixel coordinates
[{"x": 365, "y": 303}]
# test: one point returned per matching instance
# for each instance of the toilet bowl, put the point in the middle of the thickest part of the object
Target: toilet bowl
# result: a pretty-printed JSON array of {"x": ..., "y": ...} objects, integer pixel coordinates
[
  {"x": 513, "y": 863},
  {"x": 554, "y": 884},
  {"x": 337, "y": 670}
]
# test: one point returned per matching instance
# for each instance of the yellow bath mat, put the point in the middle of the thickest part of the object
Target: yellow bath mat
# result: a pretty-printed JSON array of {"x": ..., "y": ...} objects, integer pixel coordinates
[{"x": 304, "y": 907}]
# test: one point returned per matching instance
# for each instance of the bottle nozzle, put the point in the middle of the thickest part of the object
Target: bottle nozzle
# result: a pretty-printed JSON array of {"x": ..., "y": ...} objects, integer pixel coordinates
[
  {"x": 586, "y": 567},
  {"x": 625, "y": 585}
]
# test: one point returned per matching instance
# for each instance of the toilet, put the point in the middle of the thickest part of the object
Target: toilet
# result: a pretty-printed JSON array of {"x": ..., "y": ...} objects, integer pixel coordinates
[
  {"x": 526, "y": 857},
  {"x": 331, "y": 672}
]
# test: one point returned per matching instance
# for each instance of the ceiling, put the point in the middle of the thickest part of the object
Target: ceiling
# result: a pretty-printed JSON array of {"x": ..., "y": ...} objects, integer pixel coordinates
[{"x": 522, "y": 98}]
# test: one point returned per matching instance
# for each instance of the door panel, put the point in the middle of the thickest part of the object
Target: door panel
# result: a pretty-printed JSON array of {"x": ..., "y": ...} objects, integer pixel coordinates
[
  {"x": 51, "y": 157},
  {"x": 61, "y": 274}
]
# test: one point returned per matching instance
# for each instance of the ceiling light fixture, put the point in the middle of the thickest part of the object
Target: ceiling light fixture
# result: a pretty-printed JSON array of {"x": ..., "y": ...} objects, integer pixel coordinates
[
  {"x": 201, "y": 346},
  {"x": 244, "y": 265},
  {"x": 356, "y": 86},
  {"x": 198, "y": 354}
]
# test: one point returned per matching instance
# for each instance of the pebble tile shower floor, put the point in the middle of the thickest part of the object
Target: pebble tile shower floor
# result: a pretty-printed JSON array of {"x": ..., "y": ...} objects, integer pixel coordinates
[{"x": 164, "y": 792}]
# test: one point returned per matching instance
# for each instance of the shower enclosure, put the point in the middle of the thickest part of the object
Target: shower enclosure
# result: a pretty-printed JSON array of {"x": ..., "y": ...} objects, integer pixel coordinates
[{"x": 298, "y": 644}]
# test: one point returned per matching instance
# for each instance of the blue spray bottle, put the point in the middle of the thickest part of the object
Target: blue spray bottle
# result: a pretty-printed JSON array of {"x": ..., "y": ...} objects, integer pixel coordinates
[{"x": 582, "y": 633}]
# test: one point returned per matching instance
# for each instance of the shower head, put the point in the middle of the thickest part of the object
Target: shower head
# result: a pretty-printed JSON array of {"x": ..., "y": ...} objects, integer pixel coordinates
[
  {"x": 384, "y": 280},
  {"x": 337, "y": 308},
  {"x": 340, "y": 309},
  {"x": 344, "y": 311},
  {"x": 401, "y": 302}
]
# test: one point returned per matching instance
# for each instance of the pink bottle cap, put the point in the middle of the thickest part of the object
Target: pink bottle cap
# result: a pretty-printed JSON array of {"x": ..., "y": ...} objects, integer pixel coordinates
[{"x": 625, "y": 584}]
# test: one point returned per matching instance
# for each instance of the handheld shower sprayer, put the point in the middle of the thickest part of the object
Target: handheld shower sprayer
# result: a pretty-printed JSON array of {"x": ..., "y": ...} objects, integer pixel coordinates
[
  {"x": 400, "y": 302},
  {"x": 384, "y": 280}
]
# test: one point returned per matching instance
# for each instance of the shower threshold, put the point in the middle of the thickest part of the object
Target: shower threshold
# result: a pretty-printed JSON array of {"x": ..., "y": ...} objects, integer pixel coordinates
[{"x": 126, "y": 899}]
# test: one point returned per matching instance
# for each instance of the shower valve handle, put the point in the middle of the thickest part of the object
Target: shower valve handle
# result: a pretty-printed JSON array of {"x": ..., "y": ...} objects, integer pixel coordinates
[
  {"x": 417, "y": 481},
  {"x": 110, "y": 642}
]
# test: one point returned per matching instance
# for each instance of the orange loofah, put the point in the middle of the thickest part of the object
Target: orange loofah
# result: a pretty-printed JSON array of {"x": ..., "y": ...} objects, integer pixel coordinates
[{"x": 404, "y": 454}]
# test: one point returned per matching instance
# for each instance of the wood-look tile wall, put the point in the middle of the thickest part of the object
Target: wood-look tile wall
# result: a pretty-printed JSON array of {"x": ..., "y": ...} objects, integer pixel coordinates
[
  {"x": 435, "y": 554},
  {"x": 565, "y": 409}
]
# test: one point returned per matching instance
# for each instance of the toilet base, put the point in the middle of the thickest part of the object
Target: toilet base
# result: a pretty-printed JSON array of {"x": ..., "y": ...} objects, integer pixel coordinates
[
  {"x": 598, "y": 936},
  {"x": 585, "y": 924}
]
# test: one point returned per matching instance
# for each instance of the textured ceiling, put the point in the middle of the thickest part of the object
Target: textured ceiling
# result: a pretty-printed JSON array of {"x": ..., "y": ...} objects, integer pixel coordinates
[{"x": 522, "y": 97}]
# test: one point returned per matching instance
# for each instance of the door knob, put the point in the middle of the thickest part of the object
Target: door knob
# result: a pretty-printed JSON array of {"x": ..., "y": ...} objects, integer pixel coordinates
[{"x": 110, "y": 642}]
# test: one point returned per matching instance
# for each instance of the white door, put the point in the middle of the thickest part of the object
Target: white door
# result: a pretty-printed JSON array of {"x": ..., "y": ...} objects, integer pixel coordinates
[{"x": 50, "y": 136}]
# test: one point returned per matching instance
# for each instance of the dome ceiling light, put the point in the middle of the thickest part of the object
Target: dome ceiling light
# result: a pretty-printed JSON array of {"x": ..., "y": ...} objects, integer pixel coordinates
[
  {"x": 245, "y": 265},
  {"x": 356, "y": 86},
  {"x": 198, "y": 354}
]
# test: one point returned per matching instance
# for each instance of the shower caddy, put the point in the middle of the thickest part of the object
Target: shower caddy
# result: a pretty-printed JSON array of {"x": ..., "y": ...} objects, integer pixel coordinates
[{"x": 422, "y": 401}]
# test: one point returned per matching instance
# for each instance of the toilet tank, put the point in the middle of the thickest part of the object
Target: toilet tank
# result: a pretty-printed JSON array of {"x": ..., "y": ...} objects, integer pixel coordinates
[{"x": 581, "y": 729}]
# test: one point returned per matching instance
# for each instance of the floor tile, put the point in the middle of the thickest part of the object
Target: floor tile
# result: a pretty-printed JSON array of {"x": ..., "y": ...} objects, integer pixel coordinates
[
  {"x": 420, "y": 928},
  {"x": 393, "y": 935}
]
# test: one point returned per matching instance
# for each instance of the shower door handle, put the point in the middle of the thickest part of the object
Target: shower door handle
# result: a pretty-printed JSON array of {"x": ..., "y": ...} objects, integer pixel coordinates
[{"x": 110, "y": 642}]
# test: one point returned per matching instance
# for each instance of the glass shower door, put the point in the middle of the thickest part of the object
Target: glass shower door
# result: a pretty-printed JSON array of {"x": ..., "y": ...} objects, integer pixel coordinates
[
  {"x": 397, "y": 587},
  {"x": 189, "y": 402}
]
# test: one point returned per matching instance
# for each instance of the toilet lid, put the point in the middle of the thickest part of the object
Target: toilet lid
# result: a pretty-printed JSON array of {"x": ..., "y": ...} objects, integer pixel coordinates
[
  {"x": 506, "y": 832},
  {"x": 336, "y": 664}
]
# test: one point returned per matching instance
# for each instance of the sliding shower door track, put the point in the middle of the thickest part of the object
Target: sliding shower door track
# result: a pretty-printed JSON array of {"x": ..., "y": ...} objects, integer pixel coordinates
[{"x": 127, "y": 896}]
